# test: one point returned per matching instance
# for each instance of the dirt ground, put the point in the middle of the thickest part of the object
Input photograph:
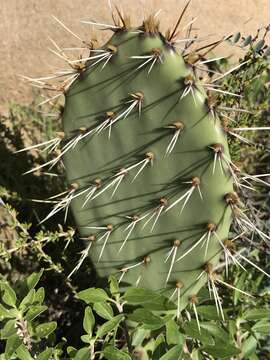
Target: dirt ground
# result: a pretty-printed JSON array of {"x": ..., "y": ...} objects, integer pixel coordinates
[{"x": 26, "y": 25}]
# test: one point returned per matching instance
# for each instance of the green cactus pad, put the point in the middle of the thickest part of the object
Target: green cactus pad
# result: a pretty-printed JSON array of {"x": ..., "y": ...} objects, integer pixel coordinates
[{"x": 156, "y": 176}]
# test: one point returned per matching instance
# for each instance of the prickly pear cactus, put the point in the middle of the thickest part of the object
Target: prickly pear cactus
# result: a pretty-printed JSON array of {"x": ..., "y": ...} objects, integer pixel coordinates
[
  {"x": 150, "y": 162},
  {"x": 146, "y": 156}
]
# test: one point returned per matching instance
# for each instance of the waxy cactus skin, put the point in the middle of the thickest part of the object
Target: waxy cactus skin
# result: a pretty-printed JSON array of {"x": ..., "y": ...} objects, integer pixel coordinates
[{"x": 175, "y": 206}]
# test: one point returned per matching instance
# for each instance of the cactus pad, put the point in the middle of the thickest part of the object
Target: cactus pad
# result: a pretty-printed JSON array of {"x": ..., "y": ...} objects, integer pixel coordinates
[{"x": 150, "y": 164}]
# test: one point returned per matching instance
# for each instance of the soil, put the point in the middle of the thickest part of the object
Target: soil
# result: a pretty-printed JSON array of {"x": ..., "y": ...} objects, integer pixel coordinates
[{"x": 26, "y": 26}]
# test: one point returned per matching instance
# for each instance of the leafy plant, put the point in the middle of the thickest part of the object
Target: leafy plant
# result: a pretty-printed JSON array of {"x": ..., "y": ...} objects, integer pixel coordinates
[{"x": 139, "y": 324}]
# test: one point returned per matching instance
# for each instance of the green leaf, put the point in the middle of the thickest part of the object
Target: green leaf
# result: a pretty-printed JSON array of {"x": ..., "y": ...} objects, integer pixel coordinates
[
  {"x": 256, "y": 314},
  {"x": 23, "y": 353},
  {"x": 259, "y": 45},
  {"x": 249, "y": 346},
  {"x": 208, "y": 312},
  {"x": 45, "y": 355},
  {"x": 46, "y": 329},
  {"x": 262, "y": 327},
  {"x": 236, "y": 38},
  {"x": 27, "y": 300},
  {"x": 33, "y": 279},
  {"x": 146, "y": 317},
  {"x": 114, "y": 287},
  {"x": 104, "y": 310},
  {"x": 195, "y": 355},
  {"x": 138, "y": 336},
  {"x": 35, "y": 311},
  {"x": 173, "y": 354},
  {"x": 240, "y": 284},
  {"x": 112, "y": 353},
  {"x": 149, "y": 299},
  {"x": 173, "y": 335},
  {"x": 191, "y": 329},
  {"x": 40, "y": 295},
  {"x": 222, "y": 352},
  {"x": 109, "y": 325},
  {"x": 232, "y": 328},
  {"x": 83, "y": 354},
  {"x": 216, "y": 331},
  {"x": 9, "y": 329},
  {"x": 86, "y": 338},
  {"x": 159, "y": 303},
  {"x": 71, "y": 351},
  {"x": 7, "y": 313},
  {"x": 137, "y": 296},
  {"x": 159, "y": 347},
  {"x": 88, "y": 320},
  {"x": 248, "y": 40},
  {"x": 92, "y": 295},
  {"x": 9, "y": 296},
  {"x": 12, "y": 344}
]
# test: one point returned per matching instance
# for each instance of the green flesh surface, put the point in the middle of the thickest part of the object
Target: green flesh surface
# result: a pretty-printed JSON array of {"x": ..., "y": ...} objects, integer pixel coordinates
[{"x": 87, "y": 101}]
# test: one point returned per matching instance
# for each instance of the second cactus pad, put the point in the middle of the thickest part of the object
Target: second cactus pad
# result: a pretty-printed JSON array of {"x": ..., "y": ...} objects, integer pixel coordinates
[{"x": 148, "y": 163}]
